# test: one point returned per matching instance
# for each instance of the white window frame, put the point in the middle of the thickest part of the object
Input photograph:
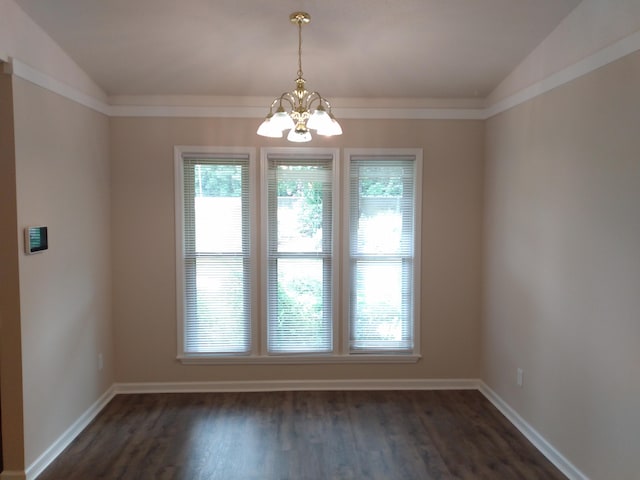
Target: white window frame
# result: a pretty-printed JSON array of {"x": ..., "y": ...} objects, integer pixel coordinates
[
  {"x": 180, "y": 153},
  {"x": 308, "y": 153},
  {"x": 258, "y": 239},
  {"x": 383, "y": 153}
]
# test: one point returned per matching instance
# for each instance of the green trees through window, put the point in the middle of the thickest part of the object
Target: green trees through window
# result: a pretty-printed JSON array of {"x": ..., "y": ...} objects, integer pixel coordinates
[{"x": 217, "y": 180}]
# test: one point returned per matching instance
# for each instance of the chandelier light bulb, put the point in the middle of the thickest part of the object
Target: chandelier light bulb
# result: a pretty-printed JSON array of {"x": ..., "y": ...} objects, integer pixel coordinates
[
  {"x": 282, "y": 120},
  {"x": 299, "y": 136},
  {"x": 319, "y": 119},
  {"x": 333, "y": 128},
  {"x": 268, "y": 129}
]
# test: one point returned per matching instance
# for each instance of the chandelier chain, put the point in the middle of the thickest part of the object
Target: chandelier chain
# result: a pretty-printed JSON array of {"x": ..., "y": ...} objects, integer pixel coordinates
[{"x": 299, "y": 48}]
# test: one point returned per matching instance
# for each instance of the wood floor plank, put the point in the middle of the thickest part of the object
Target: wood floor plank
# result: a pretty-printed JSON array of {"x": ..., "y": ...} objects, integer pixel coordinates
[{"x": 404, "y": 435}]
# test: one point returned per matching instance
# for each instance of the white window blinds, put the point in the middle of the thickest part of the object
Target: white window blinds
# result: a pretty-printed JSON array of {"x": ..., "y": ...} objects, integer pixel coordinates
[
  {"x": 381, "y": 239},
  {"x": 217, "y": 266},
  {"x": 299, "y": 254}
]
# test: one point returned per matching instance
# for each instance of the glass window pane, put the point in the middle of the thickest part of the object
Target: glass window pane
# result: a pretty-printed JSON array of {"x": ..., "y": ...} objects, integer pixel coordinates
[
  {"x": 218, "y": 316},
  {"x": 303, "y": 203},
  {"x": 217, "y": 272},
  {"x": 381, "y": 310},
  {"x": 379, "y": 226},
  {"x": 381, "y": 195},
  {"x": 299, "y": 239},
  {"x": 218, "y": 208},
  {"x": 299, "y": 316},
  {"x": 382, "y": 233}
]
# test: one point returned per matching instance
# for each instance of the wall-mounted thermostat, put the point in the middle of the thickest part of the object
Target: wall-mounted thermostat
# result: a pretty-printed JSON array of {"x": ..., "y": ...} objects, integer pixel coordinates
[{"x": 35, "y": 240}]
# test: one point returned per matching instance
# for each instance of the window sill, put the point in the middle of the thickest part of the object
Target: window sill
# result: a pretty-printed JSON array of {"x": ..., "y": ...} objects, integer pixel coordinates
[{"x": 297, "y": 359}]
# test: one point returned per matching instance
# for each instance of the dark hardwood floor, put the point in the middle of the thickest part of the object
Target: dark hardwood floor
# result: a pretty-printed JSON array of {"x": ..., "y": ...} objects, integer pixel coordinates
[{"x": 301, "y": 435}]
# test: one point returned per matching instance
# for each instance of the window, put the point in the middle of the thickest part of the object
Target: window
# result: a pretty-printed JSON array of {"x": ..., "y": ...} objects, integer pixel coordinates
[
  {"x": 382, "y": 233},
  {"x": 309, "y": 306},
  {"x": 214, "y": 253},
  {"x": 299, "y": 266}
]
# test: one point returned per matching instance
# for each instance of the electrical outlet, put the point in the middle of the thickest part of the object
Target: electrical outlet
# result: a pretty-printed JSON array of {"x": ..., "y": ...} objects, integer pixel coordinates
[
  {"x": 519, "y": 377},
  {"x": 100, "y": 362}
]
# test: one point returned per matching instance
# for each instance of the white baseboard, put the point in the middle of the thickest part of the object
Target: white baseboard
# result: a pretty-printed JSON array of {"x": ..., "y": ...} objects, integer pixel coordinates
[
  {"x": 43, "y": 461},
  {"x": 298, "y": 385},
  {"x": 538, "y": 441}
]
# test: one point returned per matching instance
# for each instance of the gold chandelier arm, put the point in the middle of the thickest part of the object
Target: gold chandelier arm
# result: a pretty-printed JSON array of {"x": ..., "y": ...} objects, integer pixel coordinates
[
  {"x": 316, "y": 97},
  {"x": 326, "y": 102},
  {"x": 312, "y": 97},
  {"x": 287, "y": 97},
  {"x": 273, "y": 104}
]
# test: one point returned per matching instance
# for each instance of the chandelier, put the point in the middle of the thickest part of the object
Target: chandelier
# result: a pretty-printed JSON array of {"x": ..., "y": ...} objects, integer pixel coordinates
[{"x": 299, "y": 111}]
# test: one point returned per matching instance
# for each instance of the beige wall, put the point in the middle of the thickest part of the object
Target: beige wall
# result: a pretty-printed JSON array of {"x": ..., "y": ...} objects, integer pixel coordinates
[
  {"x": 144, "y": 247},
  {"x": 10, "y": 343},
  {"x": 562, "y": 266},
  {"x": 62, "y": 181}
]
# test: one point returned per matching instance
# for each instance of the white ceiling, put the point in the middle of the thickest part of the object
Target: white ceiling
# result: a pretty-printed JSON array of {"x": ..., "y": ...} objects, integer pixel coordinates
[{"x": 351, "y": 48}]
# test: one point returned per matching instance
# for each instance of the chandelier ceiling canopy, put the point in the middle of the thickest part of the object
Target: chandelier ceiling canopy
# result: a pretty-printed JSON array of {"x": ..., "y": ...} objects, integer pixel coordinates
[{"x": 299, "y": 111}]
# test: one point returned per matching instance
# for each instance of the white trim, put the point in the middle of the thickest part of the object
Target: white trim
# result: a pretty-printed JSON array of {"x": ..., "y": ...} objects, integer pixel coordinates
[
  {"x": 178, "y": 189},
  {"x": 345, "y": 268},
  {"x": 179, "y": 152},
  {"x": 263, "y": 312},
  {"x": 410, "y": 113},
  {"x": 24, "y": 71},
  {"x": 297, "y": 359},
  {"x": 298, "y": 385},
  {"x": 56, "y": 448},
  {"x": 417, "y": 255},
  {"x": 538, "y": 441},
  {"x": 299, "y": 153},
  {"x": 187, "y": 111},
  {"x": 373, "y": 153},
  {"x": 587, "y": 65},
  {"x": 243, "y": 111},
  {"x": 603, "y": 57}
]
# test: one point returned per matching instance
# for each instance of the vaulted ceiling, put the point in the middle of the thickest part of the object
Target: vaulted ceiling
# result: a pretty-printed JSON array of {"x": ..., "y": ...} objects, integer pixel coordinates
[{"x": 351, "y": 48}]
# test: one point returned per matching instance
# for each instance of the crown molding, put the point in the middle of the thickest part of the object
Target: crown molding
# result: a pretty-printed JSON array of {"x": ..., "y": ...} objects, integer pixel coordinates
[
  {"x": 263, "y": 102},
  {"x": 186, "y": 111},
  {"x": 256, "y": 107},
  {"x": 411, "y": 113},
  {"x": 47, "y": 82},
  {"x": 351, "y": 109},
  {"x": 616, "y": 51},
  {"x": 259, "y": 112}
]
